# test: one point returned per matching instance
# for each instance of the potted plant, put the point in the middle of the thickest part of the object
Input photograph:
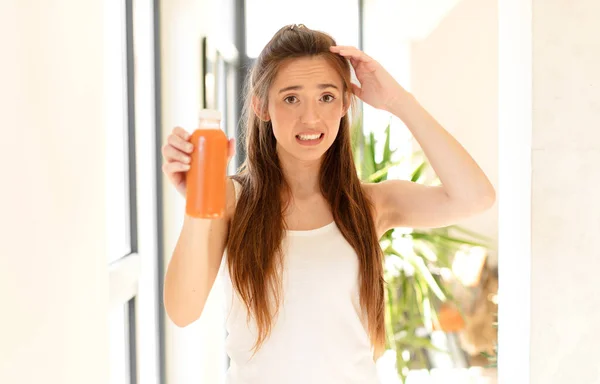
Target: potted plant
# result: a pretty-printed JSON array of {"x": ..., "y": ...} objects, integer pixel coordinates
[{"x": 418, "y": 299}]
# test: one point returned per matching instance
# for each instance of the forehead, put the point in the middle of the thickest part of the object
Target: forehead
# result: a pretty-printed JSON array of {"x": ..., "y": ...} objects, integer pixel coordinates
[{"x": 306, "y": 71}]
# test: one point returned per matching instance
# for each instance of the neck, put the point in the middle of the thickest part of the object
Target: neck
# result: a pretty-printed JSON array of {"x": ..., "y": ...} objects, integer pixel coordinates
[{"x": 302, "y": 176}]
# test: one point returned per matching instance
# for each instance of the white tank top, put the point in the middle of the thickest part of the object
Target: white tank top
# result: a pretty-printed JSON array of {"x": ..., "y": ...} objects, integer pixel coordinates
[{"x": 320, "y": 334}]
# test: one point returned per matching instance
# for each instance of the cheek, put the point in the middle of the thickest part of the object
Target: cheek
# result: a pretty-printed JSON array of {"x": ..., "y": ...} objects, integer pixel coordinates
[
  {"x": 337, "y": 111},
  {"x": 333, "y": 130},
  {"x": 278, "y": 112},
  {"x": 335, "y": 114},
  {"x": 281, "y": 121},
  {"x": 332, "y": 119}
]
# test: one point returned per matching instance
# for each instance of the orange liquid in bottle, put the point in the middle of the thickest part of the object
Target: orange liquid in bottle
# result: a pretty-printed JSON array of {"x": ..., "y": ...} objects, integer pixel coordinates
[{"x": 206, "y": 179}]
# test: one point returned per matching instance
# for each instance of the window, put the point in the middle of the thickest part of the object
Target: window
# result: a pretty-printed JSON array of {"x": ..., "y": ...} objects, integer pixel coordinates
[
  {"x": 220, "y": 65},
  {"x": 118, "y": 142},
  {"x": 132, "y": 214},
  {"x": 120, "y": 362}
]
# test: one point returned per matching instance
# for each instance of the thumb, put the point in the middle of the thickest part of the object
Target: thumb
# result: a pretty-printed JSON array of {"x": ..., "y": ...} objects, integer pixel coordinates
[
  {"x": 356, "y": 90},
  {"x": 230, "y": 148}
]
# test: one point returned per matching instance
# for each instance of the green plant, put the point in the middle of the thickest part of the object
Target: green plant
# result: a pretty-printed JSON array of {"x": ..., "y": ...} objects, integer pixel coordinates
[
  {"x": 414, "y": 260},
  {"x": 493, "y": 356}
]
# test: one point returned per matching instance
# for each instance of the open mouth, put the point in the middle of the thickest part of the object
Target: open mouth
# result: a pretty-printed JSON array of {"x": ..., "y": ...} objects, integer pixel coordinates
[{"x": 309, "y": 138}]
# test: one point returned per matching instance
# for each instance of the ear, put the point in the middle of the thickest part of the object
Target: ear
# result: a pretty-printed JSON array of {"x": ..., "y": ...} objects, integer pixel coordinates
[
  {"x": 347, "y": 102},
  {"x": 345, "y": 108},
  {"x": 262, "y": 114}
]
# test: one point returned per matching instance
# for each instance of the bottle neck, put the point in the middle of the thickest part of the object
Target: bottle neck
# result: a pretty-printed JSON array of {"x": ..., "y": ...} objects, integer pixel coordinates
[{"x": 209, "y": 123}]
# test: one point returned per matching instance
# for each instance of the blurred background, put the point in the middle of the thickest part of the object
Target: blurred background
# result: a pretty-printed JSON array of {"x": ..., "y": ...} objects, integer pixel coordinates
[{"x": 91, "y": 89}]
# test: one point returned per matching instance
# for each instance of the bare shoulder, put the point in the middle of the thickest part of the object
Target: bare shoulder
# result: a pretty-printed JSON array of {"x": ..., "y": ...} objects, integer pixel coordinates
[
  {"x": 373, "y": 193},
  {"x": 370, "y": 190},
  {"x": 377, "y": 192},
  {"x": 230, "y": 198},
  {"x": 404, "y": 203}
]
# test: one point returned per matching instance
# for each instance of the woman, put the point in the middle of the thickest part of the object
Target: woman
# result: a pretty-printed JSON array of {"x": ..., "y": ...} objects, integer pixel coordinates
[{"x": 304, "y": 269}]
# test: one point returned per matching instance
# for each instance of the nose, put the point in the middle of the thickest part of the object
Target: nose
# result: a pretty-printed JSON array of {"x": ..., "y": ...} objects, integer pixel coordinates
[{"x": 310, "y": 114}]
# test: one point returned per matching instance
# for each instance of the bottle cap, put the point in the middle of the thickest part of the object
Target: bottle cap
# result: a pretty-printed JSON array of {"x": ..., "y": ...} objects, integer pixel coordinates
[{"x": 209, "y": 114}]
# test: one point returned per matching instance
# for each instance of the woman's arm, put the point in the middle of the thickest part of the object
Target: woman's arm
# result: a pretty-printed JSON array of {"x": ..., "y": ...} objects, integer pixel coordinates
[
  {"x": 195, "y": 262},
  {"x": 465, "y": 188}
]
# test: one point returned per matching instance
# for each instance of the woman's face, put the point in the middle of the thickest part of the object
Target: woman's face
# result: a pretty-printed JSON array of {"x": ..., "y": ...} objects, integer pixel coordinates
[{"x": 305, "y": 106}]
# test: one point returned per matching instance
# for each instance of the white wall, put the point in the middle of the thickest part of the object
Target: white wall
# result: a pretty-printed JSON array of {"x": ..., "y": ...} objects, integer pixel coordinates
[
  {"x": 514, "y": 193},
  {"x": 565, "y": 152},
  {"x": 454, "y": 74},
  {"x": 548, "y": 270},
  {"x": 53, "y": 269}
]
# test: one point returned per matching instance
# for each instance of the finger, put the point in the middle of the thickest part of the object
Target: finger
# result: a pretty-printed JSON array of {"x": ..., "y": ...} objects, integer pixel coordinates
[
  {"x": 356, "y": 90},
  {"x": 175, "y": 167},
  {"x": 349, "y": 51},
  {"x": 338, "y": 47},
  {"x": 355, "y": 54},
  {"x": 181, "y": 133},
  {"x": 171, "y": 153},
  {"x": 180, "y": 143},
  {"x": 230, "y": 148},
  {"x": 347, "y": 48},
  {"x": 368, "y": 63}
]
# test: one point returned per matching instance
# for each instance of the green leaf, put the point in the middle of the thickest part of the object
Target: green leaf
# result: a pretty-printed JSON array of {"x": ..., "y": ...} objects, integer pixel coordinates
[
  {"x": 427, "y": 251},
  {"x": 461, "y": 241},
  {"x": 357, "y": 142},
  {"x": 356, "y": 134},
  {"x": 369, "y": 166},
  {"x": 381, "y": 174},
  {"x": 405, "y": 287},
  {"x": 447, "y": 293},
  {"x": 421, "y": 342},
  {"x": 387, "y": 152},
  {"x": 419, "y": 300},
  {"x": 390, "y": 318},
  {"x": 471, "y": 233},
  {"x": 427, "y": 309},
  {"x": 416, "y": 175},
  {"x": 388, "y": 235},
  {"x": 424, "y": 272},
  {"x": 422, "y": 249},
  {"x": 429, "y": 236}
]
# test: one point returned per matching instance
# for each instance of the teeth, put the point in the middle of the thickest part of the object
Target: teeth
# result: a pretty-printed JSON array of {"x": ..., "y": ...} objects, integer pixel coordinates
[{"x": 309, "y": 137}]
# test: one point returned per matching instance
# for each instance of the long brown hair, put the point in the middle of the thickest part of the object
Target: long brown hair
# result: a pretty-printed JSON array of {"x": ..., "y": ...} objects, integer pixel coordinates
[{"x": 254, "y": 244}]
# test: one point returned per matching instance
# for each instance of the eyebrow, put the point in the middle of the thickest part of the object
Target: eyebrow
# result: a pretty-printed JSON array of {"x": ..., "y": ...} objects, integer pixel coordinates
[{"x": 299, "y": 87}]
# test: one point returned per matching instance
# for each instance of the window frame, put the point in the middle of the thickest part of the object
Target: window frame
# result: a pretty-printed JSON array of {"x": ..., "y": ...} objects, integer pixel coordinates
[{"x": 135, "y": 278}]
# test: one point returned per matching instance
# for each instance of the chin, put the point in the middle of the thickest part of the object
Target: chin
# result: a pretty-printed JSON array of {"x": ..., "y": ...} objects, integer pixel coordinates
[
  {"x": 312, "y": 156},
  {"x": 306, "y": 153}
]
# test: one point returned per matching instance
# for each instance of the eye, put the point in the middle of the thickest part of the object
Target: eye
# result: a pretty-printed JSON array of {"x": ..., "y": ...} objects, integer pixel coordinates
[
  {"x": 292, "y": 98},
  {"x": 328, "y": 98}
]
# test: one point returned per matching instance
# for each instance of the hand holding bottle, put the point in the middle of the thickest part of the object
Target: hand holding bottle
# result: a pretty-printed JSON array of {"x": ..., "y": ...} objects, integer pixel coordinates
[{"x": 177, "y": 157}]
